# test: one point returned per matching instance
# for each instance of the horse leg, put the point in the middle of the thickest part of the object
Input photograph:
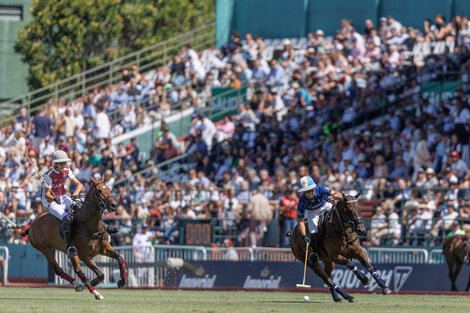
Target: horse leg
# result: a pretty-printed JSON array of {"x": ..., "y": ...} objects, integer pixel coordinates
[
  {"x": 362, "y": 257},
  {"x": 109, "y": 252},
  {"x": 453, "y": 275},
  {"x": 339, "y": 259},
  {"x": 329, "y": 266},
  {"x": 47, "y": 252},
  {"x": 318, "y": 269},
  {"x": 78, "y": 270},
  {"x": 99, "y": 274}
]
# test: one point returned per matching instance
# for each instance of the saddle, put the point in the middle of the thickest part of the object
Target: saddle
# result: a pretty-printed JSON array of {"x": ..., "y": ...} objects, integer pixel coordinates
[{"x": 325, "y": 219}]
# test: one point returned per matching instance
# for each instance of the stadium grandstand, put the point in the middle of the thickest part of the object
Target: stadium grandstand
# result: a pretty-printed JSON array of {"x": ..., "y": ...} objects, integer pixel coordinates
[{"x": 186, "y": 140}]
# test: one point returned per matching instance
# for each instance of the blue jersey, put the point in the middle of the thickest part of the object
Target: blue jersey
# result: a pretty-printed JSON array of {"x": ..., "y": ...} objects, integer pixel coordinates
[{"x": 322, "y": 193}]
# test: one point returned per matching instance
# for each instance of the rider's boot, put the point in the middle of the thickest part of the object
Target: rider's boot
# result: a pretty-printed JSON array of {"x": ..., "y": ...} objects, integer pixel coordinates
[
  {"x": 110, "y": 229},
  {"x": 313, "y": 257},
  {"x": 67, "y": 233}
]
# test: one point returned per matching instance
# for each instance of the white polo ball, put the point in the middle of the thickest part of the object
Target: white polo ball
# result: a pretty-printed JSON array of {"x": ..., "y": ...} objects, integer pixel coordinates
[{"x": 306, "y": 298}]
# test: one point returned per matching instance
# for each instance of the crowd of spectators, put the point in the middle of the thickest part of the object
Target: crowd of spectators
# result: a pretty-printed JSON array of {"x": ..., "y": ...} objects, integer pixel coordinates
[{"x": 309, "y": 113}]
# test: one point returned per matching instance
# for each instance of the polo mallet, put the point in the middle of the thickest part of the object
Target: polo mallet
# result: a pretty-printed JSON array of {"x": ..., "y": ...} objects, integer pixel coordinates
[
  {"x": 302, "y": 285},
  {"x": 32, "y": 164}
]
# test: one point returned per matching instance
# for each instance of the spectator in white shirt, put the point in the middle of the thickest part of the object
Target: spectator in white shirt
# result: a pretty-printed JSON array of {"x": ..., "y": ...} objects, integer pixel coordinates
[
  {"x": 208, "y": 130},
  {"x": 102, "y": 124}
]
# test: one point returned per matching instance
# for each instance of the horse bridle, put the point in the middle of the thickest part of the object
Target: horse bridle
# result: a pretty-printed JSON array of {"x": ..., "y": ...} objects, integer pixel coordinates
[
  {"x": 350, "y": 223},
  {"x": 103, "y": 205}
]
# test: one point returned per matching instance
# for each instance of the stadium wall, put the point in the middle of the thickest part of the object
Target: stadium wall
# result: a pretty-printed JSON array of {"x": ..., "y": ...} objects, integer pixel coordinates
[
  {"x": 14, "y": 14},
  {"x": 26, "y": 263},
  {"x": 295, "y": 18}
]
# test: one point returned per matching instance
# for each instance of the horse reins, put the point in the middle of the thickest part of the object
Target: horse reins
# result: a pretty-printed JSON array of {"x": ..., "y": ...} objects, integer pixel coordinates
[
  {"x": 102, "y": 206},
  {"x": 349, "y": 221}
]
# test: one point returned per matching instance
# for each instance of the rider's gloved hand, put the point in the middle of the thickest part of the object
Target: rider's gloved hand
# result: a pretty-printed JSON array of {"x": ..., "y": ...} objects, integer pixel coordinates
[
  {"x": 307, "y": 240},
  {"x": 57, "y": 200},
  {"x": 74, "y": 197}
]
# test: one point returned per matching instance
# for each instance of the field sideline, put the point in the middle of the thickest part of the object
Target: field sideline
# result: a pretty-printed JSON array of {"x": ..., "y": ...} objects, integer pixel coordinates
[{"x": 15, "y": 299}]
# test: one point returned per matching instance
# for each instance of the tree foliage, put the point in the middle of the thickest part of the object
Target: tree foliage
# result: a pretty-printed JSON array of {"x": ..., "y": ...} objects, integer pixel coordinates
[{"x": 67, "y": 37}]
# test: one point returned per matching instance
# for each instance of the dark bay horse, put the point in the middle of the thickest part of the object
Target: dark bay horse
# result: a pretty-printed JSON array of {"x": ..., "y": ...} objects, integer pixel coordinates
[
  {"x": 339, "y": 244},
  {"x": 455, "y": 249},
  {"x": 89, "y": 237}
]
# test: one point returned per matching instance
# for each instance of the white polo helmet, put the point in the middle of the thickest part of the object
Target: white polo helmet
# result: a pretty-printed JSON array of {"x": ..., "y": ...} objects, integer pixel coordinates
[
  {"x": 306, "y": 183},
  {"x": 60, "y": 156}
]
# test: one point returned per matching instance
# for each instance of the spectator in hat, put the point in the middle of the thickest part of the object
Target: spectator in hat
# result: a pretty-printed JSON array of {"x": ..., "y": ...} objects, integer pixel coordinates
[
  {"x": 431, "y": 182},
  {"x": 230, "y": 254},
  {"x": 444, "y": 225},
  {"x": 458, "y": 166},
  {"x": 383, "y": 28},
  {"x": 420, "y": 224},
  {"x": 142, "y": 250},
  {"x": 108, "y": 178},
  {"x": 188, "y": 212},
  {"x": 287, "y": 53},
  {"x": 236, "y": 180}
]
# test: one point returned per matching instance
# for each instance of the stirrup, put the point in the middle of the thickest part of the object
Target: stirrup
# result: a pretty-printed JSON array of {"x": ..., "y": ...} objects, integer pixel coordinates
[{"x": 71, "y": 251}]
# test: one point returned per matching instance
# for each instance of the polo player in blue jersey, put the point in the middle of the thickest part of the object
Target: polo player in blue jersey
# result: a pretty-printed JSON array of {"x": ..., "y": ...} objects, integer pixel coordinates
[{"x": 313, "y": 201}]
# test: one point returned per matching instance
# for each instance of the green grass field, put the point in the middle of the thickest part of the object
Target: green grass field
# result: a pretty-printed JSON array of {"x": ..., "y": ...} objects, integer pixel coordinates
[{"x": 61, "y": 300}]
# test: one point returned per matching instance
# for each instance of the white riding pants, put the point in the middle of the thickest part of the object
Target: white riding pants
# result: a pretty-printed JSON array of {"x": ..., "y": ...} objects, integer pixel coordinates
[
  {"x": 62, "y": 209},
  {"x": 314, "y": 216}
]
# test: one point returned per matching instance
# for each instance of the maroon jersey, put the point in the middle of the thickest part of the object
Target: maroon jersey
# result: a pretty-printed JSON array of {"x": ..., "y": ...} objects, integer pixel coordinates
[{"x": 56, "y": 181}]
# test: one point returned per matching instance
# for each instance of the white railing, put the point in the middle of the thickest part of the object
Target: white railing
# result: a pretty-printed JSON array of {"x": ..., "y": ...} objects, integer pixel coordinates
[
  {"x": 398, "y": 255},
  {"x": 436, "y": 257},
  {"x": 4, "y": 257}
]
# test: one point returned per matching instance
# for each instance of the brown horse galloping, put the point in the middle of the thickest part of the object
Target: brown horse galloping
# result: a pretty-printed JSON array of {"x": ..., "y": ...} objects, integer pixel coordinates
[
  {"x": 90, "y": 238},
  {"x": 455, "y": 249},
  {"x": 339, "y": 244}
]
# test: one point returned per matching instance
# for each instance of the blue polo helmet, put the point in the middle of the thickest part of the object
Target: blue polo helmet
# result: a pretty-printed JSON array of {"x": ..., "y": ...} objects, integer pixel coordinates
[{"x": 306, "y": 183}]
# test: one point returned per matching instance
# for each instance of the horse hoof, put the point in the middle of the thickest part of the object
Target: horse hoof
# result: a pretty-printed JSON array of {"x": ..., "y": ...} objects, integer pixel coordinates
[
  {"x": 352, "y": 300},
  {"x": 98, "y": 296},
  {"x": 365, "y": 281},
  {"x": 121, "y": 283},
  {"x": 386, "y": 291},
  {"x": 78, "y": 286}
]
